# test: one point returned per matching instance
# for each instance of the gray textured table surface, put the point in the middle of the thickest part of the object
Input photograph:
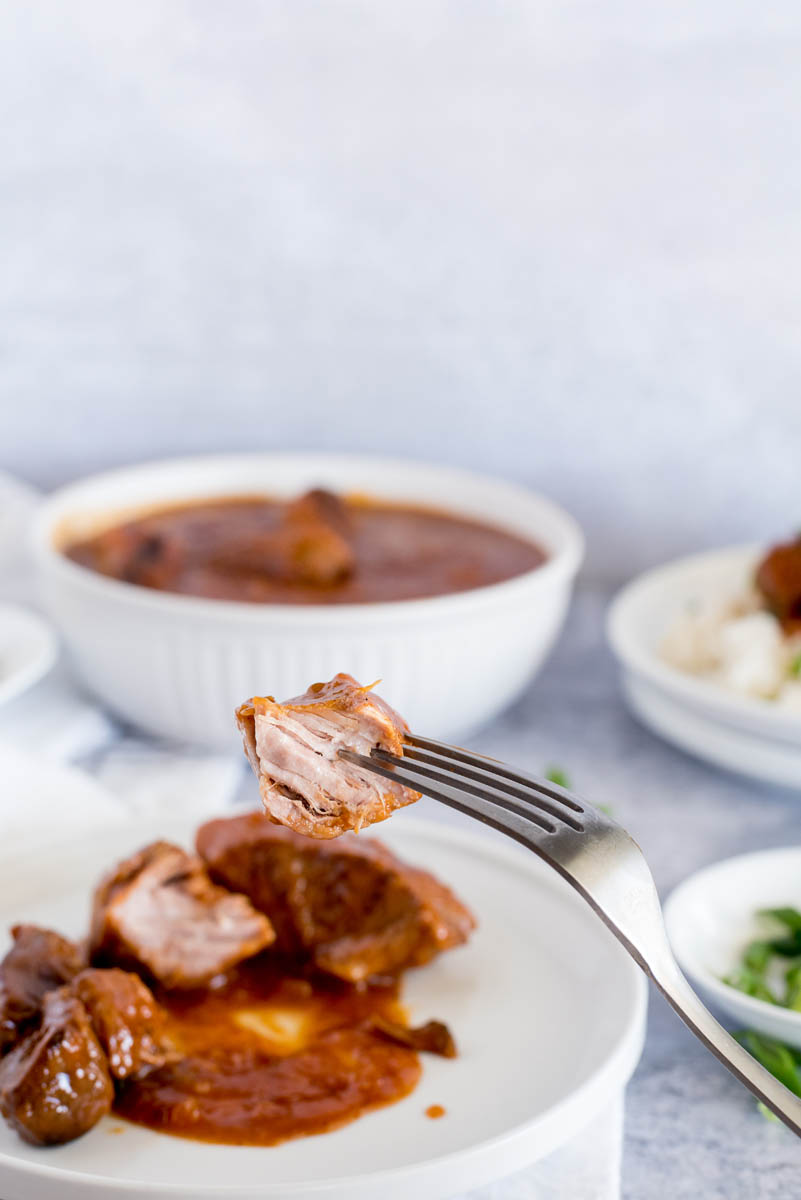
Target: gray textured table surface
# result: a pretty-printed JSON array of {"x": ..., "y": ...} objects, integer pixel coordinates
[{"x": 691, "y": 1130}]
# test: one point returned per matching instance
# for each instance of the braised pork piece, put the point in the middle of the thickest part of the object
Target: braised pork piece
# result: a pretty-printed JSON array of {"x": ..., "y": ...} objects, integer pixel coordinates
[
  {"x": 317, "y": 549},
  {"x": 350, "y": 905},
  {"x": 433, "y": 1038},
  {"x": 126, "y": 1019},
  {"x": 55, "y": 1083},
  {"x": 160, "y": 911},
  {"x": 779, "y": 580},
  {"x": 308, "y": 545},
  {"x": 293, "y": 748},
  {"x": 38, "y": 961}
]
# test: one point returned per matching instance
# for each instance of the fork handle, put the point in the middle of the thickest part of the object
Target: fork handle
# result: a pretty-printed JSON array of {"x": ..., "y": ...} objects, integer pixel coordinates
[{"x": 766, "y": 1087}]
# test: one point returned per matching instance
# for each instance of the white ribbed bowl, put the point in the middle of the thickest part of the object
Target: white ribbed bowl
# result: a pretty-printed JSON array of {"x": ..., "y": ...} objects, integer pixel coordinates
[{"x": 178, "y": 665}]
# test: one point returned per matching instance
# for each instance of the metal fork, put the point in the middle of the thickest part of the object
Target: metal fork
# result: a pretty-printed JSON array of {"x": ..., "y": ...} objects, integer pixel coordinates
[{"x": 597, "y": 857}]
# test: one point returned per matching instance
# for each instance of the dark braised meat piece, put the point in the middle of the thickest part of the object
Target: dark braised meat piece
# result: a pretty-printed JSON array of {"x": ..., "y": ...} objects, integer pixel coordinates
[
  {"x": 309, "y": 545},
  {"x": 126, "y": 1018},
  {"x": 349, "y": 905},
  {"x": 159, "y": 910},
  {"x": 55, "y": 1084},
  {"x": 293, "y": 748},
  {"x": 138, "y": 553},
  {"x": 779, "y": 580},
  {"x": 39, "y": 961},
  {"x": 432, "y": 1038}
]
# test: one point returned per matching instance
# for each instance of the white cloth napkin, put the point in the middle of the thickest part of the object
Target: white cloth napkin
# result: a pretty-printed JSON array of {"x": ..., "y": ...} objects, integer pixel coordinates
[
  {"x": 126, "y": 777},
  {"x": 38, "y": 794},
  {"x": 585, "y": 1168}
]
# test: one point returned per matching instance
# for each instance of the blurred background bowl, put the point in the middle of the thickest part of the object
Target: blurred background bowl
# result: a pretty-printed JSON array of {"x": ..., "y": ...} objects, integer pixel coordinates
[
  {"x": 740, "y": 733},
  {"x": 177, "y": 665},
  {"x": 713, "y": 915}
]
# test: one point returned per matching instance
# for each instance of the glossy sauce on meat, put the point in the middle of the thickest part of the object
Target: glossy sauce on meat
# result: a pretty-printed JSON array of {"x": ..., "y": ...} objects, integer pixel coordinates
[
  {"x": 271, "y": 1055},
  {"x": 253, "y": 549}
]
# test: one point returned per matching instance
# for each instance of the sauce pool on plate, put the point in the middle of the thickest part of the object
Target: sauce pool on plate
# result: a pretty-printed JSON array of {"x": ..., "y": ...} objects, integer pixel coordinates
[
  {"x": 317, "y": 549},
  {"x": 270, "y": 1056}
]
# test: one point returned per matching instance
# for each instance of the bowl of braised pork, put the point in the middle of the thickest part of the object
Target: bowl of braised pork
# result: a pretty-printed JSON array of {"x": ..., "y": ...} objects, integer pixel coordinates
[{"x": 178, "y": 585}]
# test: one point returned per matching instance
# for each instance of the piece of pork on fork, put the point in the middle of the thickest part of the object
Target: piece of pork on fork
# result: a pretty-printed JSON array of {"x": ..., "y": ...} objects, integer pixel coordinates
[{"x": 293, "y": 748}]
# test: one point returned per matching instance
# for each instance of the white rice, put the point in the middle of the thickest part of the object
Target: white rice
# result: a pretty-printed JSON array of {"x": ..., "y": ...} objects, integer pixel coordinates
[{"x": 741, "y": 646}]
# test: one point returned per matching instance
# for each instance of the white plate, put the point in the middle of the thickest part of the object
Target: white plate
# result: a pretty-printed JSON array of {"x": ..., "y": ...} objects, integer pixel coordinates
[
  {"x": 741, "y": 733},
  {"x": 547, "y": 1009},
  {"x": 711, "y": 918},
  {"x": 28, "y": 650}
]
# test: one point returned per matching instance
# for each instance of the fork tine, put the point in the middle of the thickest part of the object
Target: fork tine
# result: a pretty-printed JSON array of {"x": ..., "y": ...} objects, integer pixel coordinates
[
  {"x": 451, "y": 767},
  {"x": 483, "y": 762},
  {"x": 483, "y": 802}
]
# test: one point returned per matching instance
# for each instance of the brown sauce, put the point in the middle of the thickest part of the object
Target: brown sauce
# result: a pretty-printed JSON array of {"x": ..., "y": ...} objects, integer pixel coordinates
[
  {"x": 269, "y": 1056},
  {"x": 243, "y": 549}
]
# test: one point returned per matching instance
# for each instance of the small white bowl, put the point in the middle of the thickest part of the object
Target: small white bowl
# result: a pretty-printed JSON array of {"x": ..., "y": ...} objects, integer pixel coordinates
[
  {"x": 741, "y": 733},
  {"x": 28, "y": 649},
  {"x": 178, "y": 665},
  {"x": 710, "y": 919}
]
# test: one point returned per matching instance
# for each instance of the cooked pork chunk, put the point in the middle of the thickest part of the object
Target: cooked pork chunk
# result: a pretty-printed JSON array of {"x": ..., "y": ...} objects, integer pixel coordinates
[
  {"x": 779, "y": 580},
  {"x": 293, "y": 748},
  {"x": 38, "y": 961},
  {"x": 159, "y": 910},
  {"x": 126, "y": 1019},
  {"x": 309, "y": 545},
  {"x": 432, "y": 1038},
  {"x": 350, "y": 905},
  {"x": 55, "y": 1084}
]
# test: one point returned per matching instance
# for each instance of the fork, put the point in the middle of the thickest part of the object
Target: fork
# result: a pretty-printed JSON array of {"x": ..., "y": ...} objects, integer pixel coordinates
[{"x": 597, "y": 857}]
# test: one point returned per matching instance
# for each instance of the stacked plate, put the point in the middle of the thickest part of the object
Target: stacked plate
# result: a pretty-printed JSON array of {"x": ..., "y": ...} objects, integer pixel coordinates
[{"x": 752, "y": 736}]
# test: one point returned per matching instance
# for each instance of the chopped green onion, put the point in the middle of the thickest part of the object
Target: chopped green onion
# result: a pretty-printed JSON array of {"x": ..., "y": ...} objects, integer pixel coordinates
[
  {"x": 792, "y": 998},
  {"x": 795, "y": 666},
  {"x": 558, "y": 776},
  {"x": 750, "y": 976},
  {"x": 757, "y": 955},
  {"x": 790, "y": 917},
  {"x": 774, "y": 1056},
  {"x": 789, "y": 947},
  {"x": 751, "y": 984}
]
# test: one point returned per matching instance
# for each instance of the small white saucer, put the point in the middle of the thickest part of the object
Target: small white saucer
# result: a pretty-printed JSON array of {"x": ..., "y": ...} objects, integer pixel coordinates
[{"x": 710, "y": 919}]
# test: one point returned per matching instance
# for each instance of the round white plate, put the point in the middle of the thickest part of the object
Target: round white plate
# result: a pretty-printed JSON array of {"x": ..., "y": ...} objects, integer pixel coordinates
[
  {"x": 711, "y": 917},
  {"x": 547, "y": 1009},
  {"x": 741, "y": 733},
  {"x": 28, "y": 649}
]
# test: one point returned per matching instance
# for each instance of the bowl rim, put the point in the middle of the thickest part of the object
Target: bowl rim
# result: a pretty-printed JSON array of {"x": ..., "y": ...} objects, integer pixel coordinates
[
  {"x": 728, "y": 997},
  {"x": 562, "y": 563},
  {"x": 643, "y": 660},
  {"x": 13, "y": 684}
]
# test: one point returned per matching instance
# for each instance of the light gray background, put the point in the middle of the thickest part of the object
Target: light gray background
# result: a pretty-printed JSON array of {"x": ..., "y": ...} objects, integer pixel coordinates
[{"x": 558, "y": 239}]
